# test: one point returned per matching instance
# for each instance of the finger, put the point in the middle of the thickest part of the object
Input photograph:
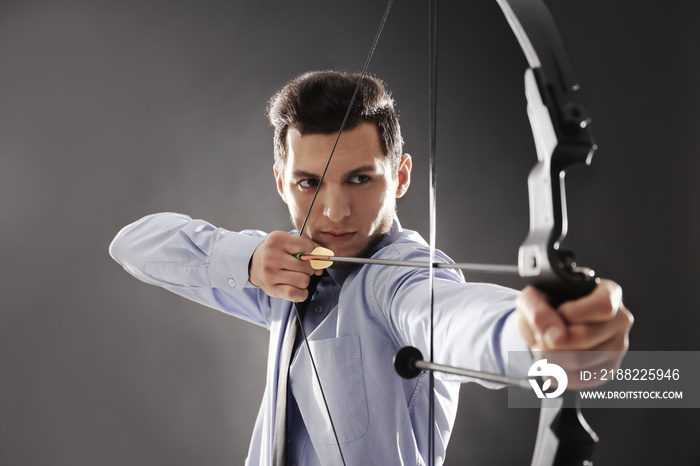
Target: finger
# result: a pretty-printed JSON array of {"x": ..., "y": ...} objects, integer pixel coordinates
[
  {"x": 295, "y": 279},
  {"x": 601, "y": 305},
  {"x": 289, "y": 263},
  {"x": 609, "y": 336},
  {"x": 292, "y": 286},
  {"x": 301, "y": 245},
  {"x": 282, "y": 278},
  {"x": 280, "y": 254},
  {"x": 288, "y": 243},
  {"x": 612, "y": 335},
  {"x": 547, "y": 326},
  {"x": 291, "y": 293},
  {"x": 276, "y": 266}
]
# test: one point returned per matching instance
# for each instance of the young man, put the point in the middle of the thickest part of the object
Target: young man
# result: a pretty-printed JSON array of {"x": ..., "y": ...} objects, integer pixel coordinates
[{"x": 359, "y": 316}]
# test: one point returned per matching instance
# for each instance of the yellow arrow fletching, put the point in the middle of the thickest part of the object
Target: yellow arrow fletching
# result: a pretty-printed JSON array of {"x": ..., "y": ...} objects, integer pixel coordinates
[{"x": 319, "y": 264}]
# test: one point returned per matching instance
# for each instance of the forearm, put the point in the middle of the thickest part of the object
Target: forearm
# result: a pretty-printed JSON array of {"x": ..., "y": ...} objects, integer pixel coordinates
[{"x": 192, "y": 258}]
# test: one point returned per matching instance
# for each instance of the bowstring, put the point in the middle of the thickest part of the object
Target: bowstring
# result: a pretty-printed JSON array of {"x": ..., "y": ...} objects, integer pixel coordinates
[
  {"x": 432, "y": 143},
  {"x": 313, "y": 200}
]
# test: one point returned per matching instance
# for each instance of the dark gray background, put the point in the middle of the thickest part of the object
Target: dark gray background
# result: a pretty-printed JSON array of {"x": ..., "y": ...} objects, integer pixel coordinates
[{"x": 112, "y": 110}]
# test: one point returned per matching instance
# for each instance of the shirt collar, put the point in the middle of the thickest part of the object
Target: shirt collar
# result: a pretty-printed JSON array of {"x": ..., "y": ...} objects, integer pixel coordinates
[{"x": 340, "y": 274}]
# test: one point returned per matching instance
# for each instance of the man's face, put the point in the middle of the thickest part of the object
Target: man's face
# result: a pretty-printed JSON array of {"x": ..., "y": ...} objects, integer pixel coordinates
[{"x": 357, "y": 200}]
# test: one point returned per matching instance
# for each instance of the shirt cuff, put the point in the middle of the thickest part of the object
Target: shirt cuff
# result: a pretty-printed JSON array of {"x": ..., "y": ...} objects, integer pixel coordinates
[{"x": 230, "y": 258}]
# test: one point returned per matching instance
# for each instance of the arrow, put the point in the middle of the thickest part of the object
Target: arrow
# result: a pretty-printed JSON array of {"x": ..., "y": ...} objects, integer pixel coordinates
[{"x": 322, "y": 258}]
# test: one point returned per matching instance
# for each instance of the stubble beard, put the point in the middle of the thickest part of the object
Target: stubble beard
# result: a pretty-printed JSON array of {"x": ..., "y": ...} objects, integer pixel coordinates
[{"x": 372, "y": 240}]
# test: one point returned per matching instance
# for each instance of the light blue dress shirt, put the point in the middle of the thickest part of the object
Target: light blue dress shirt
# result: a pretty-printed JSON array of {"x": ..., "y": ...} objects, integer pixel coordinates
[{"x": 357, "y": 321}]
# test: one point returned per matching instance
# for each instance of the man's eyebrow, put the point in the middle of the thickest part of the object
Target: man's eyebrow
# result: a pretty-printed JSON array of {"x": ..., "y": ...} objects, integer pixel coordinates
[
  {"x": 350, "y": 174},
  {"x": 359, "y": 170},
  {"x": 304, "y": 174}
]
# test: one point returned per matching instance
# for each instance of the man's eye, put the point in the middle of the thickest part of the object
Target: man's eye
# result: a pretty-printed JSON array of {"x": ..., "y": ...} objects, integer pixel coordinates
[
  {"x": 359, "y": 179},
  {"x": 308, "y": 183}
]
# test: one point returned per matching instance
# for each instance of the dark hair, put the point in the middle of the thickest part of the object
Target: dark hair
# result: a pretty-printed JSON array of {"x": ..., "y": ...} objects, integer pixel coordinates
[{"x": 316, "y": 103}]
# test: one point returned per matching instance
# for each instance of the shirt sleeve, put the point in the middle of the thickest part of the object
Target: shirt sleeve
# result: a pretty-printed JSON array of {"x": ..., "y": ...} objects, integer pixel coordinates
[
  {"x": 474, "y": 325},
  {"x": 196, "y": 260}
]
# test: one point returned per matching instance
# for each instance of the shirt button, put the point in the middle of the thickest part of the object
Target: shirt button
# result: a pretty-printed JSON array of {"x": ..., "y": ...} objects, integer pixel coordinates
[
  {"x": 318, "y": 309},
  {"x": 232, "y": 282}
]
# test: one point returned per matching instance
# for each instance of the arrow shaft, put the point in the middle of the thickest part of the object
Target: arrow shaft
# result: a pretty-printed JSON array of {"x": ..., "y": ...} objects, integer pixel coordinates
[
  {"x": 474, "y": 374},
  {"x": 484, "y": 268}
]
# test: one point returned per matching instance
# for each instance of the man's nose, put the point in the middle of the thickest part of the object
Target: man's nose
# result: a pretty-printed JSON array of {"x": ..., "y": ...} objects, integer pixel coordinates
[{"x": 336, "y": 205}]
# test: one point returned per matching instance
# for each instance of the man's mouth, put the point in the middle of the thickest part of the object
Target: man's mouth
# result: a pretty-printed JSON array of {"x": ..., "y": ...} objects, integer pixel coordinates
[{"x": 337, "y": 236}]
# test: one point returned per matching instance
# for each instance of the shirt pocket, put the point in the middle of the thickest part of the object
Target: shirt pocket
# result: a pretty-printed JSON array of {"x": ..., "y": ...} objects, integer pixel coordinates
[{"x": 339, "y": 365}]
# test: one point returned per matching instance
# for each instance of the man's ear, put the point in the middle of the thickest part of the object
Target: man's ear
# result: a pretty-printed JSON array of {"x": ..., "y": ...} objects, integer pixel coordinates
[
  {"x": 404, "y": 175},
  {"x": 279, "y": 181}
]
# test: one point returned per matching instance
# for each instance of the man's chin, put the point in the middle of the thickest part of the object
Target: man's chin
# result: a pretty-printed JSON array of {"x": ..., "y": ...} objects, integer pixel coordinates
[
  {"x": 357, "y": 251},
  {"x": 350, "y": 250}
]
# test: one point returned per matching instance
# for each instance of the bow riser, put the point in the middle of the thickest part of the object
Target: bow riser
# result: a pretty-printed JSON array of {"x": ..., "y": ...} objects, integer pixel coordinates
[{"x": 562, "y": 142}]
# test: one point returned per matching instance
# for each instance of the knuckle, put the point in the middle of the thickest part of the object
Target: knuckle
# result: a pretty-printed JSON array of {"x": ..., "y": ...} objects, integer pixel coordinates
[
  {"x": 612, "y": 294},
  {"x": 629, "y": 318},
  {"x": 297, "y": 295},
  {"x": 276, "y": 238},
  {"x": 289, "y": 293},
  {"x": 271, "y": 238}
]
